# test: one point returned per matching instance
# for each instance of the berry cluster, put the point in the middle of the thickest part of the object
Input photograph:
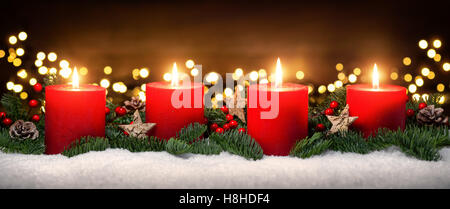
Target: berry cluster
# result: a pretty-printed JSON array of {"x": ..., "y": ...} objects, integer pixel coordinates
[
  {"x": 231, "y": 123},
  {"x": 329, "y": 111}
]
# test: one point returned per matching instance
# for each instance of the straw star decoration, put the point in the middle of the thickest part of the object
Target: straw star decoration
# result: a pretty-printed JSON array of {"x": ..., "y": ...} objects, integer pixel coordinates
[
  {"x": 236, "y": 104},
  {"x": 137, "y": 129},
  {"x": 341, "y": 122}
]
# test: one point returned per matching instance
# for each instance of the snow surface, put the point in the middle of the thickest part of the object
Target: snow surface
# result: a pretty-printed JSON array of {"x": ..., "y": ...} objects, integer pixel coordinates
[{"x": 117, "y": 168}]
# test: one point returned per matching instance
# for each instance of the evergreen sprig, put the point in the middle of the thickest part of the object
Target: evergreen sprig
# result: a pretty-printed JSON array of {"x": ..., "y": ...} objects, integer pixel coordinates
[
  {"x": 14, "y": 107},
  {"x": 9, "y": 145},
  {"x": 191, "y": 132},
  {"x": 86, "y": 144},
  {"x": 215, "y": 115},
  {"x": 177, "y": 147},
  {"x": 238, "y": 143},
  {"x": 314, "y": 145}
]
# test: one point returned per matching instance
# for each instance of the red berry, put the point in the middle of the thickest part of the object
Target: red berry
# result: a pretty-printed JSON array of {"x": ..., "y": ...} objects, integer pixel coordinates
[
  {"x": 410, "y": 112},
  {"x": 233, "y": 123},
  {"x": 37, "y": 87},
  {"x": 242, "y": 130},
  {"x": 329, "y": 111},
  {"x": 126, "y": 133},
  {"x": 33, "y": 103},
  {"x": 334, "y": 104},
  {"x": 422, "y": 105},
  {"x": 320, "y": 127},
  {"x": 2, "y": 115},
  {"x": 35, "y": 118},
  {"x": 120, "y": 111},
  {"x": 229, "y": 117},
  {"x": 214, "y": 126},
  {"x": 107, "y": 110},
  {"x": 7, "y": 122},
  {"x": 226, "y": 127},
  {"x": 219, "y": 130},
  {"x": 224, "y": 109}
]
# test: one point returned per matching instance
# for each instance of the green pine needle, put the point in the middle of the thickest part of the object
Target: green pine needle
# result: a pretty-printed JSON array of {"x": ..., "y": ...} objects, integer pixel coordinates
[{"x": 238, "y": 143}]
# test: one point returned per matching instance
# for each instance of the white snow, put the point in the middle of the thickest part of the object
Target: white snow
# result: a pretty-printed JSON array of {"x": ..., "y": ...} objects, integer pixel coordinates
[{"x": 116, "y": 168}]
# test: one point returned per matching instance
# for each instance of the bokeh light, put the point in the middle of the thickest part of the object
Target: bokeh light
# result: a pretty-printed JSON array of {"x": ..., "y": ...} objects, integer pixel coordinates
[
  {"x": 437, "y": 58},
  {"x": 167, "y": 76},
  {"x": 446, "y": 66},
  {"x": 12, "y": 40},
  {"x": 300, "y": 75},
  {"x": 425, "y": 71},
  {"x": 254, "y": 76},
  {"x": 394, "y": 76},
  {"x": 423, "y": 44},
  {"x": 64, "y": 64},
  {"x": 322, "y": 89},
  {"x": 419, "y": 81},
  {"x": 331, "y": 87},
  {"x": 107, "y": 70},
  {"x": 17, "y": 62},
  {"x": 228, "y": 92},
  {"x": 104, "y": 83},
  {"x": 17, "y": 88},
  {"x": 352, "y": 78},
  {"x": 437, "y": 43},
  {"x": 194, "y": 72},
  {"x": 357, "y": 71},
  {"x": 38, "y": 63},
  {"x": 431, "y": 75},
  {"x": 341, "y": 76},
  {"x": 43, "y": 70},
  {"x": 416, "y": 97},
  {"x": 407, "y": 77},
  {"x": 190, "y": 64},
  {"x": 23, "y": 95},
  {"x": 33, "y": 81},
  {"x": 52, "y": 56},
  {"x": 338, "y": 84},
  {"x": 412, "y": 88},
  {"x": 431, "y": 53},
  {"x": 9, "y": 85},
  {"x": 339, "y": 66},
  {"x": 83, "y": 71},
  {"x": 440, "y": 87},
  {"x": 22, "y": 73},
  {"x": 407, "y": 61},
  {"x": 40, "y": 55},
  {"x": 22, "y": 36},
  {"x": 20, "y": 52},
  {"x": 144, "y": 73},
  {"x": 262, "y": 73},
  {"x": 2, "y": 53}
]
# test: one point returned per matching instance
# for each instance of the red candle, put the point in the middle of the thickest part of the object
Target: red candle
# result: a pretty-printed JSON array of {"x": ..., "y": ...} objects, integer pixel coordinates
[
  {"x": 277, "y": 134},
  {"x": 73, "y": 112},
  {"x": 172, "y": 106},
  {"x": 377, "y": 106}
]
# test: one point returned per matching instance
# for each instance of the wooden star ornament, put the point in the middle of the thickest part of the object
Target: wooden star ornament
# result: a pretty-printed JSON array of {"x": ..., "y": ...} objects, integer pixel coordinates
[
  {"x": 137, "y": 129},
  {"x": 236, "y": 104},
  {"x": 341, "y": 122}
]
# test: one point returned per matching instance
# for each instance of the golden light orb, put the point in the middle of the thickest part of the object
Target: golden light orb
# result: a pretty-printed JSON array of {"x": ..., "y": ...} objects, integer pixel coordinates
[
  {"x": 17, "y": 62},
  {"x": 341, "y": 76},
  {"x": 254, "y": 76},
  {"x": 219, "y": 97},
  {"x": 446, "y": 66},
  {"x": 262, "y": 73},
  {"x": 65, "y": 72},
  {"x": 239, "y": 72},
  {"x": 22, "y": 73},
  {"x": 357, "y": 71},
  {"x": 228, "y": 92},
  {"x": 331, "y": 87},
  {"x": 322, "y": 89},
  {"x": 190, "y": 64},
  {"x": 416, "y": 97},
  {"x": 64, "y": 64},
  {"x": 22, "y": 36},
  {"x": 38, "y": 63},
  {"x": 437, "y": 43},
  {"x": 12, "y": 40},
  {"x": 407, "y": 77},
  {"x": 423, "y": 44},
  {"x": 419, "y": 81},
  {"x": 116, "y": 87},
  {"x": 194, "y": 72},
  {"x": 20, "y": 52},
  {"x": 310, "y": 89},
  {"x": 412, "y": 88},
  {"x": 300, "y": 75},
  {"x": 144, "y": 73},
  {"x": 2, "y": 53},
  {"x": 441, "y": 100},
  {"x": 52, "y": 56},
  {"x": 339, "y": 66},
  {"x": 23, "y": 95},
  {"x": 143, "y": 87},
  {"x": 394, "y": 76},
  {"x": 53, "y": 71},
  {"x": 167, "y": 77},
  {"x": 142, "y": 96},
  {"x": 431, "y": 75},
  {"x": 431, "y": 53},
  {"x": 83, "y": 71},
  {"x": 407, "y": 61},
  {"x": 352, "y": 78},
  {"x": 43, "y": 70},
  {"x": 107, "y": 70},
  {"x": 425, "y": 71},
  {"x": 33, "y": 81},
  {"x": 17, "y": 88},
  {"x": 9, "y": 85},
  {"x": 338, "y": 84},
  {"x": 104, "y": 83},
  {"x": 437, "y": 58},
  {"x": 440, "y": 87},
  {"x": 40, "y": 55}
]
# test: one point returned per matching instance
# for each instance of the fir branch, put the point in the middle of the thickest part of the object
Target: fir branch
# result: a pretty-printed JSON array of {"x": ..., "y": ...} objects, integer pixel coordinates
[
  {"x": 206, "y": 147},
  {"x": 177, "y": 147},
  {"x": 215, "y": 115},
  {"x": 310, "y": 146},
  {"x": 134, "y": 144},
  {"x": 238, "y": 143},
  {"x": 14, "y": 107},
  {"x": 191, "y": 132},
  {"x": 86, "y": 144}
]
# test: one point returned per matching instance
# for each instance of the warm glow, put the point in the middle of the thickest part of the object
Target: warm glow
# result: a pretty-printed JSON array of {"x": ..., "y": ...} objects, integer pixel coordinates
[
  {"x": 352, "y": 78},
  {"x": 9, "y": 85},
  {"x": 441, "y": 100},
  {"x": 431, "y": 75},
  {"x": 375, "y": 78},
  {"x": 190, "y": 64},
  {"x": 440, "y": 87},
  {"x": 107, "y": 70},
  {"x": 339, "y": 66},
  {"x": 437, "y": 43},
  {"x": 167, "y": 76},
  {"x": 431, "y": 53},
  {"x": 104, "y": 83},
  {"x": 22, "y": 73},
  {"x": 278, "y": 74},
  {"x": 17, "y": 62},
  {"x": 419, "y": 81},
  {"x": 174, "y": 75},
  {"x": 22, "y": 36},
  {"x": 425, "y": 97},
  {"x": 52, "y": 56},
  {"x": 254, "y": 75},
  {"x": 412, "y": 88},
  {"x": 144, "y": 73},
  {"x": 20, "y": 52},
  {"x": 228, "y": 92},
  {"x": 423, "y": 44},
  {"x": 357, "y": 71},
  {"x": 23, "y": 95},
  {"x": 2, "y": 53},
  {"x": 322, "y": 89},
  {"x": 437, "y": 58},
  {"x": 300, "y": 75},
  {"x": 40, "y": 56},
  {"x": 12, "y": 40},
  {"x": 425, "y": 71},
  {"x": 17, "y": 88},
  {"x": 446, "y": 66},
  {"x": 64, "y": 64},
  {"x": 238, "y": 72},
  {"x": 416, "y": 97},
  {"x": 53, "y": 71},
  {"x": 43, "y": 70},
  {"x": 38, "y": 63},
  {"x": 331, "y": 87},
  {"x": 394, "y": 76},
  {"x": 75, "y": 79},
  {"x": 338, "y": 84},
  {"x": 407, "y": 77},
  {"x": 341, "y": 76},
  {"x": 33, "y": 81}
]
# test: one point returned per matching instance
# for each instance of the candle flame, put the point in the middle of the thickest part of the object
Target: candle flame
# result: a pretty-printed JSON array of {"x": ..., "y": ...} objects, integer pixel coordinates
[
  {"x": 278, "y": 74},
  {"x": 375, "y": 78},
  {"x": 174, "y": 75},
  {"x": 75, "y": 79}
]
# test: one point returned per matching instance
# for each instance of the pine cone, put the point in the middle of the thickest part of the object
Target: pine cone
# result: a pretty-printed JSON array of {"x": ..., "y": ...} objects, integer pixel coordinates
[
  {"x": 23, "y": 130},
  {"x": 430, "y": 115},
  {"x": 134, "y": 104}
]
